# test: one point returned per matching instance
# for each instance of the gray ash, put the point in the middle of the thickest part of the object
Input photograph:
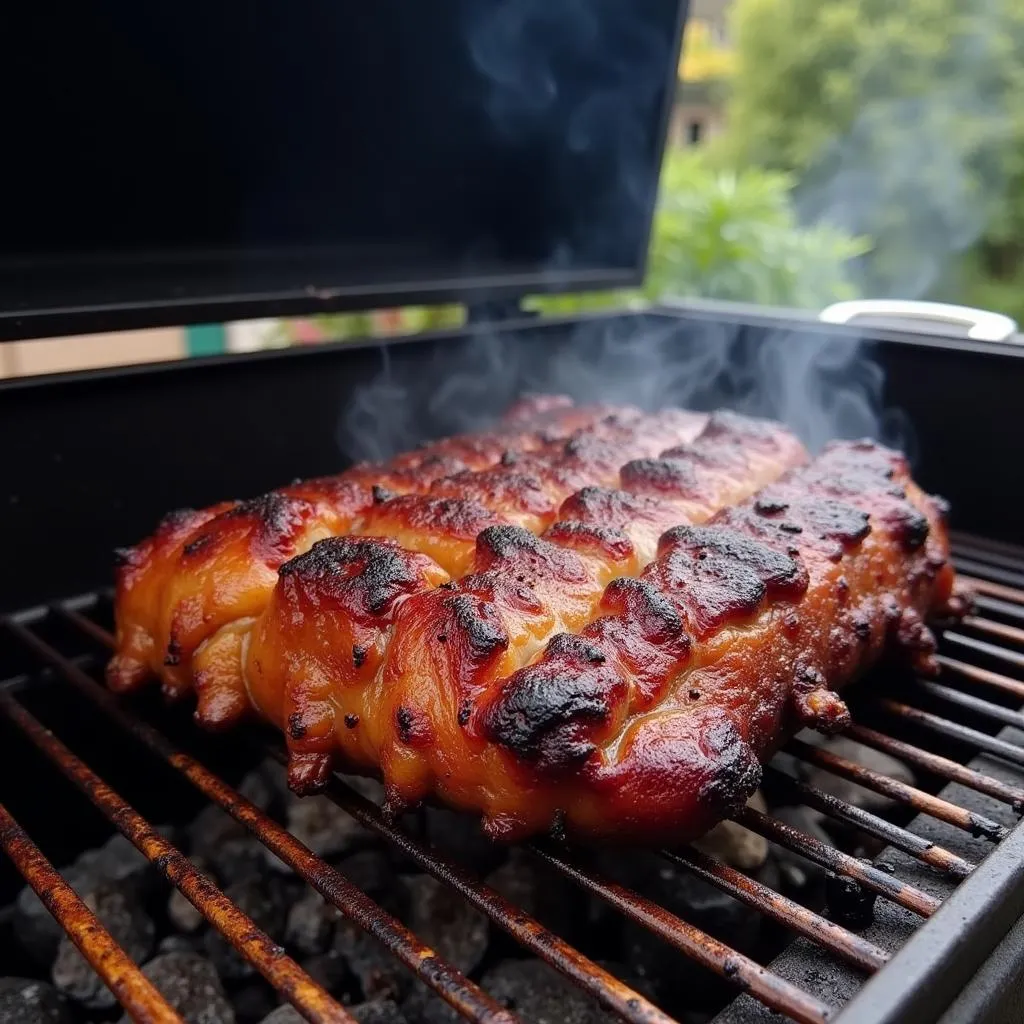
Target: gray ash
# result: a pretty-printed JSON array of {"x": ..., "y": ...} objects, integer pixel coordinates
[{"x": 208, "y": 982}]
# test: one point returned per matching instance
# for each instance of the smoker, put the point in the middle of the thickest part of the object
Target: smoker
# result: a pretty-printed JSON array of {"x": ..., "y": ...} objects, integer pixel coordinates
[{"x": 177, "y": 164}]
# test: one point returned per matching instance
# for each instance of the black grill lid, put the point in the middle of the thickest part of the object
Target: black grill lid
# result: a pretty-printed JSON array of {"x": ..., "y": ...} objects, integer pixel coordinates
[{"x": 178, "y": 161}]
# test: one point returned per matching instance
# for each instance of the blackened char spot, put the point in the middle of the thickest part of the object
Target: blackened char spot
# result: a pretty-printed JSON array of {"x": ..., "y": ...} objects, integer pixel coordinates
[
  {"x": 717, "y": 573},
  {"x": 909, "y": 527},
  {"x": 369, "y": 571},
  {"x": 479, "y": 623},
  {"x": 673, "y": 475},
  {"x": 544, "y": 712},
  {"x": 296, "y": 727},
  {"x": 643, "y": 603},
  {"x": 769, "y": 506},
  {"x": 358, "y": 655},
  {"x": 173, "y": 655},
  {"x": 736, "y": 771},
  {"x": 273, "y": 511},
  {"x": 351, "y": 721},
  {"x": 572, "y": 647},
  {"x": 381, "y": 494},
  {"x": 194, "y": 547},
  {"x": 404, "y": 720}
]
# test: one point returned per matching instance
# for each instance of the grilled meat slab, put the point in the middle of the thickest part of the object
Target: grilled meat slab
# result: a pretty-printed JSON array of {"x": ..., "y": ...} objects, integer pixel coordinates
[
  {"x": 204, "y": 576},
  {"x": 598, "y": 621}
]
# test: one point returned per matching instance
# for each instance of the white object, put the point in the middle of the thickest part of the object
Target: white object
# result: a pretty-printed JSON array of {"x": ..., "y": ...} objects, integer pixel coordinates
[{"x": 982, "y": 324}]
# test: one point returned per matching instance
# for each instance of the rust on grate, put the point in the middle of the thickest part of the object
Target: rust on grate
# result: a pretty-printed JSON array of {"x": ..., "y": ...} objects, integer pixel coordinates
[
  {"x": 958, "y": 817},
  {"x": 976, "y": 674},
  {"x": 309, "y": 998},
  {"x": 1011, "y": 634},
  {"x": 591, "y": 977},
  {"x": 530, "y": 933},
  {"x": 775, "y": 992},
  {"x": 944, "y": 767},
  {"x": 852, "y": 948},
  {"x": 990, "y": 650},
  {"x": 829, "y": 857},
  {"x": 926, "y": 852},
  {"x": 992, "y": 589},
  {"x": 761, "y": 983},
  {"x": 953, "y": 730},
  {"x": 457, "y": 990},
  {"x": 985, "y": 708},
  {"x": 132, "y": 989}
]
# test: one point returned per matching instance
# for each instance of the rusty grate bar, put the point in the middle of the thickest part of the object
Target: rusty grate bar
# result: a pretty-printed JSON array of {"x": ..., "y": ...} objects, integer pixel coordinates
[
  {"x": 990, "y": 588},
  {"x": 984, "y": 676},
  {"x": 530, "y": 933},
  {"x": 829, "y": 857},
  {"x": 776, "y": 993},
  {"x": 309, "y": 998},
  {"x": 953, "y": 730},
  {"x": 925, "y": 851},
  {"x": 852, "y": 948},
  {"x": 999, "y": 607},
  {"x": 953, "y": 814},
  {"x": 591, "y": 977},
  {"x": 944, "y": 767},
  {"x": 1011, "y": 634},
  {"x": 459, "y": 992},
  {"x": 1014, "y": 658},
  {"x": 985, "y": 708},
  {"x": 132, "y": 989}
]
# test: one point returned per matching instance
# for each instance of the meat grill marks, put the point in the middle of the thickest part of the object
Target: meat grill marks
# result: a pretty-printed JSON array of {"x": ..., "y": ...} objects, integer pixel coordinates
[
  {"x": 391, "y": 688},
  {"x": 653, "y": 720},
  {"x": 202, "y": 570}
]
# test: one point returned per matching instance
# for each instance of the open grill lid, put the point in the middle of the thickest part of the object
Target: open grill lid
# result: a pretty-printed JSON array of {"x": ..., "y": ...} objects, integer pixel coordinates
[{"x": 176, "y": 162}]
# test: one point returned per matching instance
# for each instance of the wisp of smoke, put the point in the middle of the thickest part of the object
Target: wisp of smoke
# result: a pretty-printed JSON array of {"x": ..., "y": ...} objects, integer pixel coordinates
[{"x": 822, "y": 389}]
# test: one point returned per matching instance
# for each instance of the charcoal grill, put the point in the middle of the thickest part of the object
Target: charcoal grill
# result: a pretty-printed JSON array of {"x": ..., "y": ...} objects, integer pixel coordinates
[
  {"x": 959, "y": 864},
  {"x": 499, "y": 208}
]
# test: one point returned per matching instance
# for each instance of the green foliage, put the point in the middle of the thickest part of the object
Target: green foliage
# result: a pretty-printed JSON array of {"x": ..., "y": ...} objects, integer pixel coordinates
[
  {"x": 903, "y": 121},
  {"x": 734, "y": 236},
  {"x": 731, "y": 236}
]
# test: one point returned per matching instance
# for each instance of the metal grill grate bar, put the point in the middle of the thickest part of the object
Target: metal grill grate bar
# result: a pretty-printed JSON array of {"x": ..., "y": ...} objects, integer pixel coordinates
[
  {"x": 985, "y": 708},
  {"x": 133, "y": 989},
  {"x": 857, "y": 951},
  {"x": 983, "y": 675},
  {"x": 769, "y": 988},
  {"x": 945, "y": 768},
  {"x": 530, "y": 933},
  {"x": 953, "y": 730},
  {"x": 959, "y": 817},
  {"x": 457, "y": 990},
  {"x": 870, "y": 877},
  {"x": 241, "y": 931},
  {"x": 993, "y": 588},
  {"x": 925, "y": 851},
  {"x": 1011, "y": 634}
]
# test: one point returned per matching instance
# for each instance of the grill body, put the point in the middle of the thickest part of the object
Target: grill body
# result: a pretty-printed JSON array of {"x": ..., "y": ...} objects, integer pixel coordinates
[{"x": 102, "y": 455}]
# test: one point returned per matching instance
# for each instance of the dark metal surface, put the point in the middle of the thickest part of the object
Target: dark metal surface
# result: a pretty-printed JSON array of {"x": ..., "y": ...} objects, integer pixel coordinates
[
  {"x": 208, "y": 429},
  {"x": 448, "y": 177}
]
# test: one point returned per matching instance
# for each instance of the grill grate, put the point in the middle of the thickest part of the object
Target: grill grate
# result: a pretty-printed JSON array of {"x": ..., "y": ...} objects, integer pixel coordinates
[{"x": 990, "y": 637}]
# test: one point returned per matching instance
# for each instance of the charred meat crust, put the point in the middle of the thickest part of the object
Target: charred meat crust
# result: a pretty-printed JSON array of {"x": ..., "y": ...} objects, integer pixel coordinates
[
  {"x": 551, "y": 715},
  {"x": 364, "y": 575}
]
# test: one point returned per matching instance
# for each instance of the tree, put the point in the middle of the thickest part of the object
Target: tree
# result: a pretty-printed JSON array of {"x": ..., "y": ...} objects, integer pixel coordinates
[
  {"x": 902, "y": 121},
  {"x": 733, "y": 235}
]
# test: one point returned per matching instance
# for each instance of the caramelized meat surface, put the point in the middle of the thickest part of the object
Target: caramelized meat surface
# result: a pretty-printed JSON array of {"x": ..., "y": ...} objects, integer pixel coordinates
[
  {"x": 594, "y": 620},
  {"x": 429, "y": 655}
]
